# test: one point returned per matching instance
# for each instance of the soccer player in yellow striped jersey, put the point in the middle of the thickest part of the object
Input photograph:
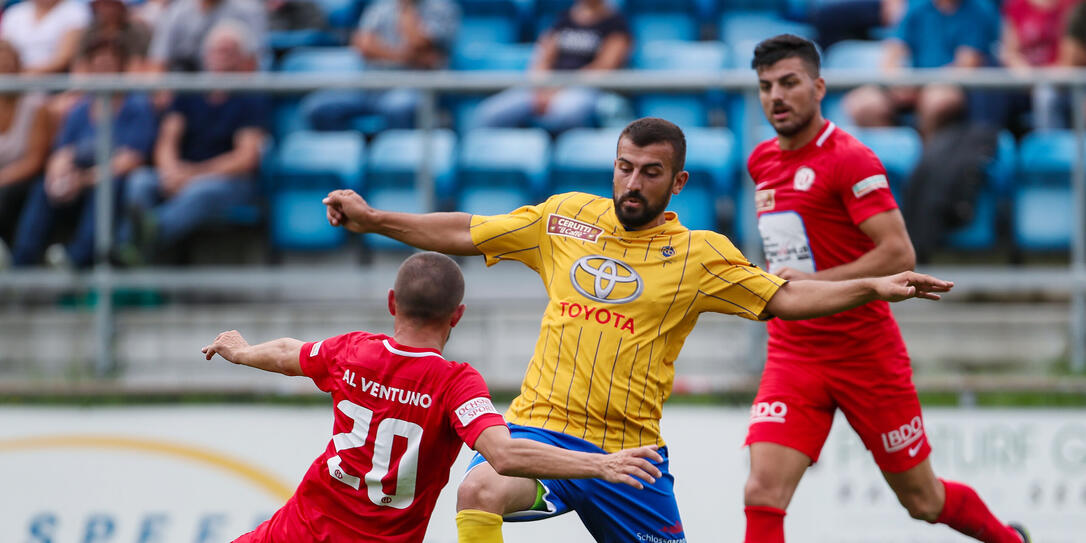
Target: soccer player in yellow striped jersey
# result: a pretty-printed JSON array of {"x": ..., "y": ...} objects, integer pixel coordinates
[
  {"x": 626, "y": 283},
  {"x": 621, "y": 304}
]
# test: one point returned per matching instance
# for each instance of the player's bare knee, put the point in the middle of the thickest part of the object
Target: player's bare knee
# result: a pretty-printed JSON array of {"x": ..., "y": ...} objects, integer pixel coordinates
[
  {"x": 920, "y": 505},
  {"x": 477, "y": 493},
  {"x": 764, "y": 492}
]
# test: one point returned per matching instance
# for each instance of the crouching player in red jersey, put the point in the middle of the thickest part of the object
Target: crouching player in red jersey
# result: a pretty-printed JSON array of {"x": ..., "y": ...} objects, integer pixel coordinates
[
  {"x": 825, "y": 212},
  {"x": 401, "y": 413}
]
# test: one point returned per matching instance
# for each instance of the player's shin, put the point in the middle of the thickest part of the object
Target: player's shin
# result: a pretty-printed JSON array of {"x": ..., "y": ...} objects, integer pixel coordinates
[
  {"x": 966, "y": 512},
  {"x": 474, "y": 526}
]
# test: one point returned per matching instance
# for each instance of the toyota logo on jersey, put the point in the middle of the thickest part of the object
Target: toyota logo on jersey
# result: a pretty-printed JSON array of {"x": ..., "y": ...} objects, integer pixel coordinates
[{"x": 605, "y": 280}]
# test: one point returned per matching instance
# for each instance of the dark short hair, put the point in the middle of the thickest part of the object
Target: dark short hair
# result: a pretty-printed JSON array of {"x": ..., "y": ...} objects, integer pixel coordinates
[
  {"x": 780, "y": 47},
  {"x": 429, "y": 287},
  {"x": 649, "y": 130}
]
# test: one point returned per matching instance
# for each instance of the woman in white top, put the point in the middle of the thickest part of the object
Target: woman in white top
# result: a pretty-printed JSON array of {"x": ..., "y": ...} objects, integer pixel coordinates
[
  {"x": 26, "y": 129},
  {"x": 46, "y": 32}
]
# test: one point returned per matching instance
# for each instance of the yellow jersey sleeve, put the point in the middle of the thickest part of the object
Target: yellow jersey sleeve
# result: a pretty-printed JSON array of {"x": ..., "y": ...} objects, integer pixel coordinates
[
  {"x": 512, "y": 236},
  {"x": 730, "y": 284}
]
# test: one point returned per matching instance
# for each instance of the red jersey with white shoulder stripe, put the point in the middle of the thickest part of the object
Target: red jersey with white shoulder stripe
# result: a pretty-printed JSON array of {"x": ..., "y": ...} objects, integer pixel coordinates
[
  {"x": 810, "y": 203},
  {"x": 401, "y": 417}
]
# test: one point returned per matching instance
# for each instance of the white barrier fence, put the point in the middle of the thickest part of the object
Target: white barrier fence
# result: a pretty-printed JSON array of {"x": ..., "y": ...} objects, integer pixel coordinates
[{"x": 198, "y": 474}]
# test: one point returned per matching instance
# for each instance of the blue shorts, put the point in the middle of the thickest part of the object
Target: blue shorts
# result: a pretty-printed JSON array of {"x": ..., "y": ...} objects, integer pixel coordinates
[{"x": 612, "y": 512}]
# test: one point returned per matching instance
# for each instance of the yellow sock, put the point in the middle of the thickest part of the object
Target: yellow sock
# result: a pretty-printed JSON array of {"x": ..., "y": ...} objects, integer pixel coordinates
[{"x": 474, "y": 526}]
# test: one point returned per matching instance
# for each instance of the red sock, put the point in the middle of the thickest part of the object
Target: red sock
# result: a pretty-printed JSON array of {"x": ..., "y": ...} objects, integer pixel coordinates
[
  {"x": 764, "y": 524},
  {"x": 965, "y": 512}
]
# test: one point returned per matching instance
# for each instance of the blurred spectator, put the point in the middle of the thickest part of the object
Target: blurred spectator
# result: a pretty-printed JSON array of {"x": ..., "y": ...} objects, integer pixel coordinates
[
  {"x": 294, "y": 15},
  {"x": 150, "y": 11},
  {"x": 393, "y": 35},
  {"x": 25, "y": 131},
  {"x": 46, "y": 33},
  {"x": 837, "y": 20},
  {"x": 179, "y": 33},
  {"x": 1032, "y": 30},
  {"x": 113, "y": 21},
  {"x": 67, "y": 191},
  {"x": 207, "y": 154},
  {"x": 590, "y": 36},
  {"x": 933, "y": 34},
  {"x": 1073, "y": 43}
]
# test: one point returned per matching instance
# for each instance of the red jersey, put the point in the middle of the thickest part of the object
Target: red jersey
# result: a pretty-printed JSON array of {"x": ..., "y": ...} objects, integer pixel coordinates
[
  {"x": 401, "y": 415},
  {"x": 810, "y": 202}
]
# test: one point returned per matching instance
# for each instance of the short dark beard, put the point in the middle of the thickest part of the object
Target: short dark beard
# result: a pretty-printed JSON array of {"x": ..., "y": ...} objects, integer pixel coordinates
[
  {"x": 799, "y": 127},
  {"x": 647, "y": 214}
]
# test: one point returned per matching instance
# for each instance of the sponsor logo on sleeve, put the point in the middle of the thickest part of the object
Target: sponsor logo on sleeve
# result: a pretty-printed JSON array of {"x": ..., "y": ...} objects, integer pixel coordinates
[
  {"x": 904, "y": 436},
  {"x": 558, "y": 225},
  {"x": 869, "y": 185},
  {"x": 473, "y": 409},
  {"x": 764, "y": 200},
  {"x": 316, "y": 349}
]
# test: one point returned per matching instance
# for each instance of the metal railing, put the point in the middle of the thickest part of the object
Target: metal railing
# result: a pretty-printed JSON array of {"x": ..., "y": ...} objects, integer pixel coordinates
[{"x": 105, "y": 279}]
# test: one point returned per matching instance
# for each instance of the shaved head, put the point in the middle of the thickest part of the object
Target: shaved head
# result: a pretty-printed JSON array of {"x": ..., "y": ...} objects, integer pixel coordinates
[{"x": 429, "y": 287}]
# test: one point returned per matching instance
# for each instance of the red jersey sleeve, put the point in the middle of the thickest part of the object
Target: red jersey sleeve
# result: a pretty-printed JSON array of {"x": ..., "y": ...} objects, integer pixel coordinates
[
  {"x": 470, "y": 408},
  {"x": 319, "y": 357},
  {"x": 862, "y": 185}
]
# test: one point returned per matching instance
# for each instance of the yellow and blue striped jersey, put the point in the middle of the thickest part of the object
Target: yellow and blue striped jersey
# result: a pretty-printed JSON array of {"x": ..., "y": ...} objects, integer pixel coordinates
[{"x": 621, "y": 305}]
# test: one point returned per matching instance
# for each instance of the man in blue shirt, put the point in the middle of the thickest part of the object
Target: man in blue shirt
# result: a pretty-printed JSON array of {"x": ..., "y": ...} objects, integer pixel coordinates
[
  {"x": 207, "y": 155},
  {"x": 932, "y": 34},
  {"x": 68, "y": 185}
]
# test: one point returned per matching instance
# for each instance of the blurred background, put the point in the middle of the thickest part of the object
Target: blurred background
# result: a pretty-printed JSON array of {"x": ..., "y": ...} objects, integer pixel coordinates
[{"x": 125, "y": 246}]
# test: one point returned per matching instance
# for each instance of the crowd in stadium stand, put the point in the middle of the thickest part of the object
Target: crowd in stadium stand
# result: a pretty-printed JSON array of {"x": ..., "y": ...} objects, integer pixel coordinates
[{"x": 183, "y": 162}]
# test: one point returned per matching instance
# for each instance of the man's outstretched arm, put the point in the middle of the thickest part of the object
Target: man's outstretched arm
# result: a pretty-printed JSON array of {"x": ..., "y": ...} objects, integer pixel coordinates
[
  {"x": 279, "y": 355},
  {"x": 448, "y": 233},
  {"x": 515, "y": 457},
  {"x": 807, "y": 299}
]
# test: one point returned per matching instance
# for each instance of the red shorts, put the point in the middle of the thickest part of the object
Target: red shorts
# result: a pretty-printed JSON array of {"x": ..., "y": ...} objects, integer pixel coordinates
[
  {"x": 796, "y": 403},
  {"x": 283, "y": 527}
]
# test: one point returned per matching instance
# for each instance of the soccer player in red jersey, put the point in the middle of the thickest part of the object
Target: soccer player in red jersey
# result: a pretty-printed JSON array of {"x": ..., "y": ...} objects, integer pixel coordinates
[
  {"x": 402, "y": 412},
  {"x": 825, "y": 212}
]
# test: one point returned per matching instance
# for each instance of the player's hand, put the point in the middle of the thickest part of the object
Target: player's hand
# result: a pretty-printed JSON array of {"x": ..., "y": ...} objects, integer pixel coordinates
[
  {"x": 631, "y": 466},
  {"x": 228, "y": 345},
  {"x": 905, "y": 285},
  {"x": 791, "y": 274},
  {"x": 347, "y": 209}
]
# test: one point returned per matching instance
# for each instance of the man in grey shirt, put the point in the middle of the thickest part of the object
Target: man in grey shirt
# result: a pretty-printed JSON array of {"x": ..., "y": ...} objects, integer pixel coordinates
[
  {"x": 391, "y": 35},
  {"x": 180, "y": 31}
]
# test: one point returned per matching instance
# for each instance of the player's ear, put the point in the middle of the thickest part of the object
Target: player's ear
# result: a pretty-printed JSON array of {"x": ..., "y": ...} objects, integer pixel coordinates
[
  {"x": 680, "y": 181},
  {"x": 820, "y": 88},
  {"x": 457, "y": 313},
  {"x": 392, "y": 302}
]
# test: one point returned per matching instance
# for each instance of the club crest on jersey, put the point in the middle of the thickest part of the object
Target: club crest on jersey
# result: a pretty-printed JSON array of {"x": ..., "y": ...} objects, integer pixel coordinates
[
  {"x": 605, "y": 279},
  {"x": 764, "y": 200},
  {"x": 668, "y": 251},
  {"x": 805, "y": 177},
  {"x": 558, "y": 225}
]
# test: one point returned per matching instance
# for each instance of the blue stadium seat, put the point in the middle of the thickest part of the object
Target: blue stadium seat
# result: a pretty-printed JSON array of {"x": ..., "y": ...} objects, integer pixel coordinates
[
  {"x": 306, "y": 167},
  {"x": 754, "y": 26},
  {"x": 502, "y": 169},
  {"x": 684, "y": 109},
  {"x": 854, "y": 55},
  {"x": 494, "y": 56},
  {"x": 395, "y": 157},
  {"x": 1042, "y": 202},
  {"x": 584, "y": 160},
  {"x": 483, "y": 30},
  {"x": 282, "y": 40},
  {"x": 663, "y": 26},
  {"x": 711, "y": 189},
  {"x": 322, "y": 59}
]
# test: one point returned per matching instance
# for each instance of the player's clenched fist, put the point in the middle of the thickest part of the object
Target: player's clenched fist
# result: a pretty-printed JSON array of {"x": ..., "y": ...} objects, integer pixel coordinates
[
  {"x": 348, "y": 209},
  {"x": 631, "y": 466},
  {"x": 228, "y": 345}
]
